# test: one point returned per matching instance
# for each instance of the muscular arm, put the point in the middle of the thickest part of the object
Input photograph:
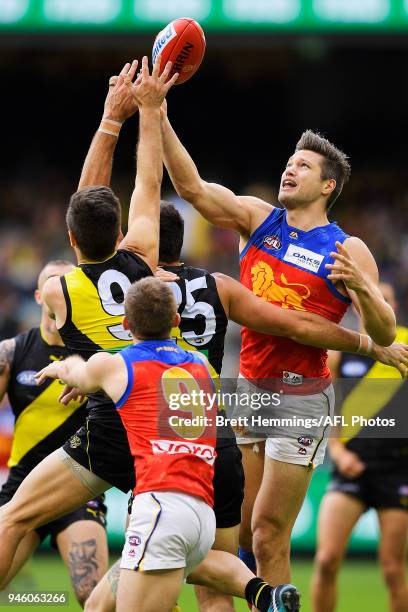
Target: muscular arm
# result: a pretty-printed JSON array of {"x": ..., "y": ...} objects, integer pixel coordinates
[
  {"x": 97, "y": 168},
  {"x": 215, "y": 203},
  {"x": 144, "y": 213},
  {"x": 101, "y": 372},
  {"x": 359, "y": 273},
  {"x": 142, "y": 236},
  {"x": 245, "y": 308},
  {"x": 7, "y": 348}
]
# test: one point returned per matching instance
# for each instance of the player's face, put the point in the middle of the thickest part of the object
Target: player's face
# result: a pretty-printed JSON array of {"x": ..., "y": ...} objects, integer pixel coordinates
[{"x": 301, "y": 181}]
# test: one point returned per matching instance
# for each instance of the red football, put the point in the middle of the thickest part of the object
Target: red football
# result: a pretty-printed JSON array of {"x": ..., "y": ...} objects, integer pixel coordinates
[{"x": 182, "y": 42}]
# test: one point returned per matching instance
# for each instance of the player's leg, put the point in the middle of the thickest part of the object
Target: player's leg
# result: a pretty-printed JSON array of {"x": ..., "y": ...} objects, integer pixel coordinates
[
  {"x": 103, "y": 597},
  {"x": 83, "y": 546},
  {"x": 149, "y": 591},
  {"x": 282, "y": 492},
  {"x": 337, "y": 516},
  {"x": 290, "y": 456},
  {"x": 53, "y": 488},
  {"x": 253, "y": 457},
  {"x": 228, "y": 495},
  {"x": 210, "y": 600},
  {"x": 24, "y": 551},
  {"x": 228, "y": 574},
  {"x": 392, "y": 555}
]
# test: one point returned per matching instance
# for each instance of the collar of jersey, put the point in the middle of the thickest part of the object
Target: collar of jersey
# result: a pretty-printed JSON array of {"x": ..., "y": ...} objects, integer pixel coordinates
[
  {"x": 292, "y": 228},
  {"x": 154, "y": 343},
  {"x": 89, "y": 263}
]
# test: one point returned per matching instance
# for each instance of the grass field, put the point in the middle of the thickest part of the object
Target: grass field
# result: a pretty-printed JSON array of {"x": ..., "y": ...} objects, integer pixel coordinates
[{"x": 361, "y": 587}]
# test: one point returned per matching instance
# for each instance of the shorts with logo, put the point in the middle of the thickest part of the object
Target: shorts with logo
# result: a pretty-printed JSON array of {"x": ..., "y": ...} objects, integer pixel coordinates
[
  {"x": 168, "y": 530},
  {"x": 95, "y": 510},
  {"x": 375, "y": 488},
  {"x": 102, "y": 447},
  {"x": 228, "y": 485},
  {"x": 298, "y": 427}
]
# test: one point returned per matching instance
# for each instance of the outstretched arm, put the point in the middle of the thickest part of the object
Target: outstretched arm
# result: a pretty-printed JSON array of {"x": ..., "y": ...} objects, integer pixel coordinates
[
  {"x": 142, "y": 236},
  {"x": 101, "y": 372},
  {"x": 120, "y": 104},
  {"x": 243, "y": 307},
  {"x": 355, "y": 266},
  {"x": 215, "y": 203}
]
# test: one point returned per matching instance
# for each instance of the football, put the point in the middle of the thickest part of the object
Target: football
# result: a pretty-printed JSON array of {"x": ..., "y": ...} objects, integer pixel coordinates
[{"x": 182, "y": 42}]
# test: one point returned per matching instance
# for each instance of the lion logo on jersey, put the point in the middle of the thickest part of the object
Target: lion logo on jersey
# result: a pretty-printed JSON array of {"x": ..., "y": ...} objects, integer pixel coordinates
[{"x": 288, "y": 295}]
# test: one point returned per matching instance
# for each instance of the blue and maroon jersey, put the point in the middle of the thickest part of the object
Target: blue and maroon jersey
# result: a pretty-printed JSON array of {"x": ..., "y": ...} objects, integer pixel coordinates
[
  {"x": 169, "y": 454},
  {"x": 286, "y": 266}
]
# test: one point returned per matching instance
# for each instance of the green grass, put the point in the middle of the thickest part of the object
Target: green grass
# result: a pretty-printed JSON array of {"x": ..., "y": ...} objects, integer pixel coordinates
[{"x": 361, "y": 587}]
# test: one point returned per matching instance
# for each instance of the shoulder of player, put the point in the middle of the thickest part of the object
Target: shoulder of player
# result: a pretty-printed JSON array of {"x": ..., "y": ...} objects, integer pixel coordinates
[
  {"x": 7, "y": 349},
  {"x": 52, "y": 289},
  {"x": 257, "y": 209},
  {"x": 359, "y": 251}
]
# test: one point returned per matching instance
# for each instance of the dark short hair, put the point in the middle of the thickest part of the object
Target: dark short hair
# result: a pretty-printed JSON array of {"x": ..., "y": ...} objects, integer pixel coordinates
[
  {"x": 335, "y": 164},
  {"x": 171, "y": 233},
  {"x": 150, "y": 307},
  {"x": 94, "y": 216}
]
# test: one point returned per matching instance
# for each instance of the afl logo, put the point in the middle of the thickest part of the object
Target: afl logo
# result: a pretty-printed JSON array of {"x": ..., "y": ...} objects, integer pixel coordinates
[
  {"x": 135, "y": 540},
  {"x": 27, "y": 378},
  {"x": 272, "y": 242},
  {"x": 305, "y": 440}
]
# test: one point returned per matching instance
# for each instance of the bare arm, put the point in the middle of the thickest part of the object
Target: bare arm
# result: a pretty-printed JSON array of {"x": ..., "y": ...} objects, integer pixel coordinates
[
  {"x": 7, "y": 348},
  {"x": 355, "y": 266},
  {"x": 120, "y": 104},
  {"x": 54, "y": 300},
  {"x": 243, "y": 307},
  {"x": 215, "y": 203},
  {"x": 144, "y": 213},
  {"x": 101, "y": 372}
]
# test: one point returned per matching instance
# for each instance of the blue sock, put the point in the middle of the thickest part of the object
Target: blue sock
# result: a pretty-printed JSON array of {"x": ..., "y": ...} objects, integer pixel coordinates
[{"x": 248, "y": 558}]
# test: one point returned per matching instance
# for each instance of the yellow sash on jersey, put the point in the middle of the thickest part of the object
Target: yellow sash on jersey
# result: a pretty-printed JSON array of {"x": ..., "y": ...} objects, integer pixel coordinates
[{"x": 367, "y": 398}]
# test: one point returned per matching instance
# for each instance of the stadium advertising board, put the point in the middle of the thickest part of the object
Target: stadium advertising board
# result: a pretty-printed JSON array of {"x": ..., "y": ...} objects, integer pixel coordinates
[{"x": 214, "y": 15}]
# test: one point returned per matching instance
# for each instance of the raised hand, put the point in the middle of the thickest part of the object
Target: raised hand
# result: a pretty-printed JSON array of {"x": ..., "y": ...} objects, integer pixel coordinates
[
  {"x": 151, "y": 89},
  {"x": 345, "y": 269},
  {"x": 395, "y": 355},
  {"x": 121, "y": 103}
]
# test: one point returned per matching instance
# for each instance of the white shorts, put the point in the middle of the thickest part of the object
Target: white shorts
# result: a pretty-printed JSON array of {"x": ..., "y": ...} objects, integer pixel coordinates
[
  {"x": 168, "y": 530},
  {"x": 304, "y": 441}
]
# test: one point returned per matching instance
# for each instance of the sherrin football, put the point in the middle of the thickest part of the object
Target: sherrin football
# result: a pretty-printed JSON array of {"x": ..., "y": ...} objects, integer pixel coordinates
[{"x": 182, "y": 42}]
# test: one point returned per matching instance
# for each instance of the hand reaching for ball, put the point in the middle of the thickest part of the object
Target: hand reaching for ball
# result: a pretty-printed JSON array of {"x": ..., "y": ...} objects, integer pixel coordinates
[{"x": 151, "y": 89}]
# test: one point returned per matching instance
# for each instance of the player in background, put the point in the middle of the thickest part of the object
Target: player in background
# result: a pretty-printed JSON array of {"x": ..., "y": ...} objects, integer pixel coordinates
[
  {"x": 172, "y": 523},
  {"x": 42, "y": 424},
  {"x": 295, "y": 258},
  {"x": 88, "y": 305},
  {"x": 368, "y": 473}
]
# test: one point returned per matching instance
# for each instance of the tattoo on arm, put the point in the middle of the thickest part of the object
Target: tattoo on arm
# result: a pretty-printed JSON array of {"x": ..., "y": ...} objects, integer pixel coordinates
[
  {"x": 7, "y": 348},
  {"x": 83, "y": 567},
  {"x": 113, "y": 577}
]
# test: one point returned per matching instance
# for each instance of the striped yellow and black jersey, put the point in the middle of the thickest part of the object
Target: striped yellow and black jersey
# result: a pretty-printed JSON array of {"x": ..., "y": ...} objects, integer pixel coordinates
[
  {"x": 42, "y": 424},
  {"x": 203, "y": 324},
  {"x": 95, "y": 301},
  {"x": 94, "y": 295},
  {"x": 374, "y": 390}
]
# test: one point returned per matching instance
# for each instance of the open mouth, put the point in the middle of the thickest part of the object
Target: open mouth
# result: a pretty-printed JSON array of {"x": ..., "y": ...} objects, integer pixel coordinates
[{"x": 288, "y": 184}]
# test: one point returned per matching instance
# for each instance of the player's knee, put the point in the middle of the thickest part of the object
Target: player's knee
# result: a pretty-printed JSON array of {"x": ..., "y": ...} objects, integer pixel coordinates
[
  {"x": 393, "y": 572},
  {"x": 327, "y": 564},
  {"x": 270, "y": 538}
]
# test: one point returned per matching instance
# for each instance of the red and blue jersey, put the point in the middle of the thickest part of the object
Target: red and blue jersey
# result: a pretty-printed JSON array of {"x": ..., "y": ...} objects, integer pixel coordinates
[
  {"x": 286, "y": 266},
  {"x": 169, "y": 453}
]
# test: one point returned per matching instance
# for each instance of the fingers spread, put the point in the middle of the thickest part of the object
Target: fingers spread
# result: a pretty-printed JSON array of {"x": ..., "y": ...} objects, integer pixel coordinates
[
  {"x": 132, "y": 70},
  {"x": 165, "y": 74}
]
